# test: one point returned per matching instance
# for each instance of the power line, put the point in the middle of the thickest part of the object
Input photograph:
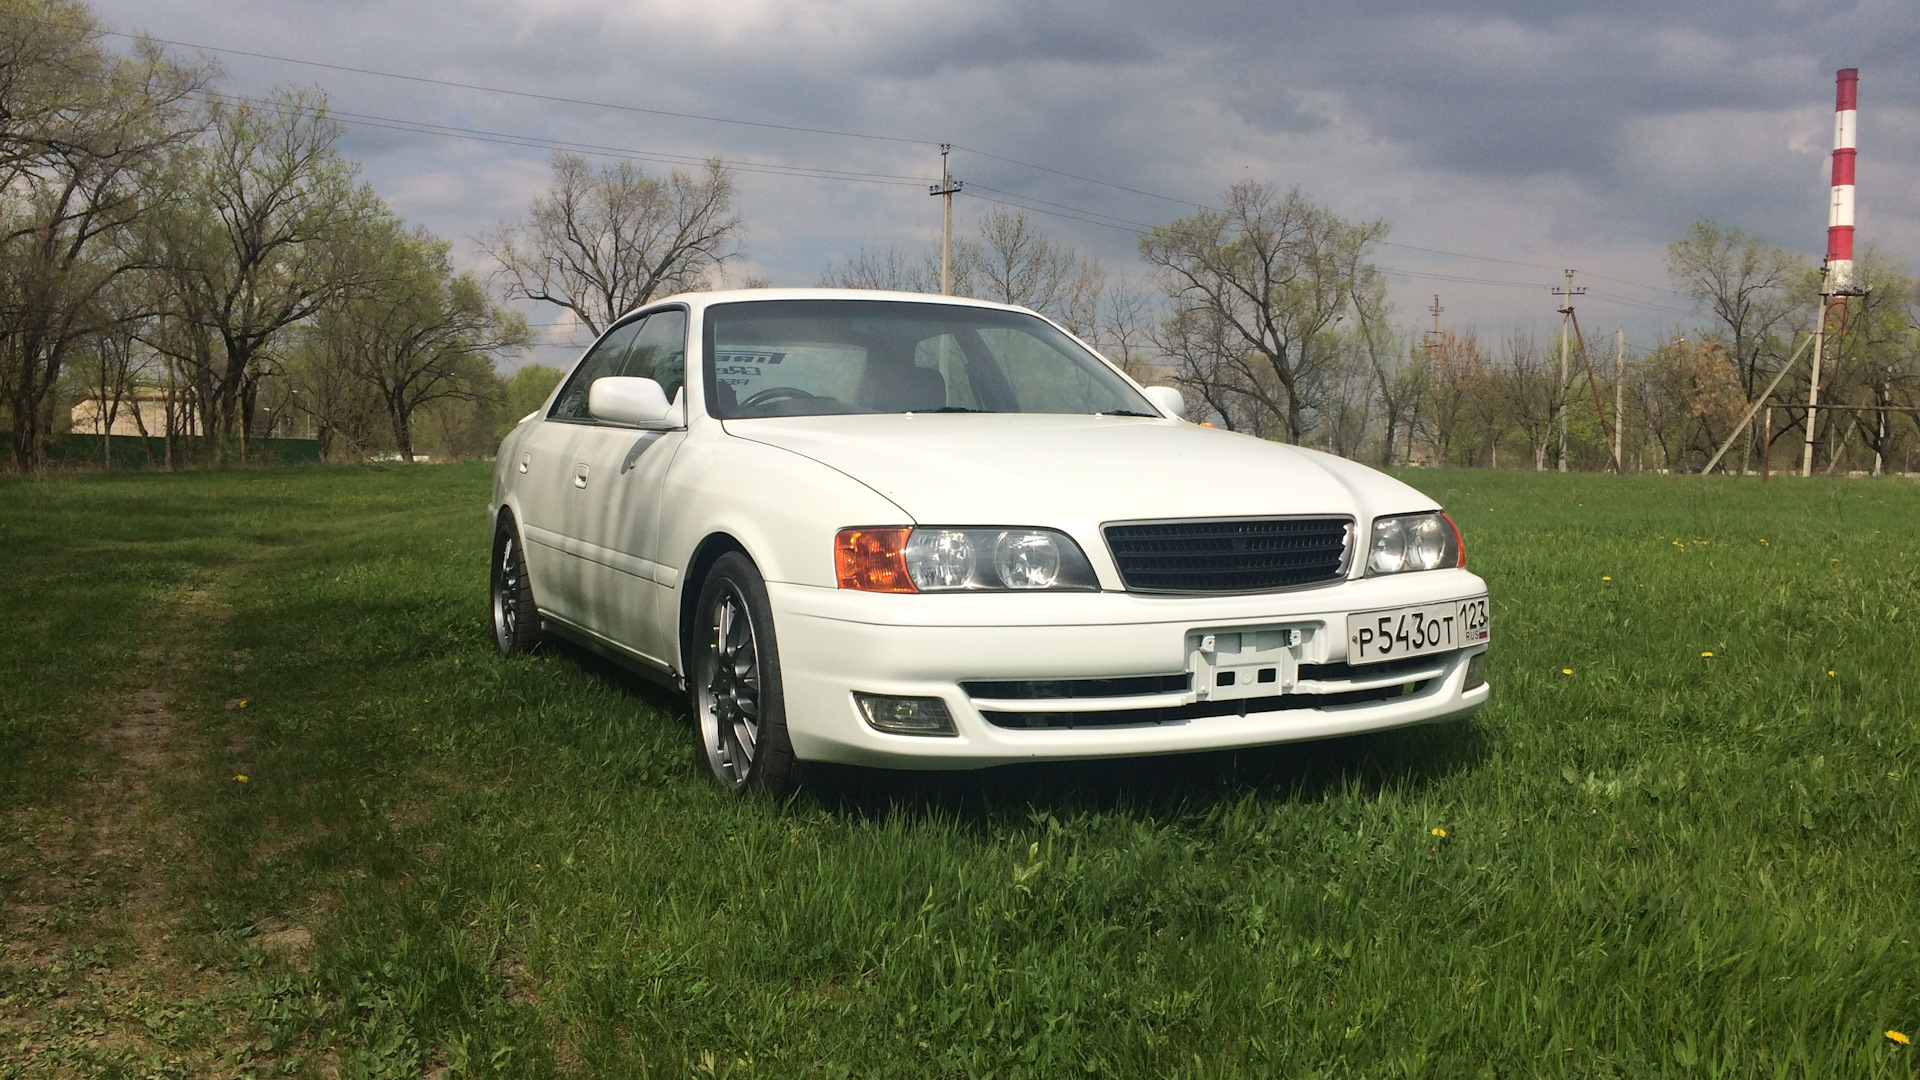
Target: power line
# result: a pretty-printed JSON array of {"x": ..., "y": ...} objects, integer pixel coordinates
[
  {"x": 1130, "y": 226},
  {"x": 1631, "y": 302},
  {"x": 530, "y": 95},
  {"x": 422, "y": 127},
  {"x": 1087, "y": 179},
  {"x": 1061, "y": 210}
]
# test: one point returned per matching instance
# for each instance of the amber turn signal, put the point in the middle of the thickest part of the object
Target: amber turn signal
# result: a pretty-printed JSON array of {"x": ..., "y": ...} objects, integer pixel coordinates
[
  {"x": 1458, "y": 544},
  {"x": 872, "y": 560}
]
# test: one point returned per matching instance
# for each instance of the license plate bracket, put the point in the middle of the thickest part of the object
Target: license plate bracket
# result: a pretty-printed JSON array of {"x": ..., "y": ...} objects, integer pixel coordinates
[{"x": 1246, "y": 661}]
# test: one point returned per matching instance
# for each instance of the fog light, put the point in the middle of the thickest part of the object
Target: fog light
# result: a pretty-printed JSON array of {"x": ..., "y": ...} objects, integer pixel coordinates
[
  {"x": 906, "y": 715},
  {"x": 1476, "y": 671}
]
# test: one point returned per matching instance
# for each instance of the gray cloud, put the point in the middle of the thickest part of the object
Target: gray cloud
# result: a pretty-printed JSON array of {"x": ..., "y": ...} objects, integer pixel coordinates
[{"x": 1520, "y": 131}]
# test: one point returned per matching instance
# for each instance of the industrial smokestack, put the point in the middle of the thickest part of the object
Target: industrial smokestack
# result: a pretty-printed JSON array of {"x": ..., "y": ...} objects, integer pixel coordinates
[{"x": 1840, "y": 216}]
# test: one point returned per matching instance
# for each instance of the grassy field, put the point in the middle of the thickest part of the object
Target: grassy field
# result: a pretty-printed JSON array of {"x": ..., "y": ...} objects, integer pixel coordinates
[{"x": 270, "y": 805}]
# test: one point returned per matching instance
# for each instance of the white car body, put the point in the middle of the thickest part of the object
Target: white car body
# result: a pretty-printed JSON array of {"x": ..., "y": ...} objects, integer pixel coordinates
[{"x": 618, "y": 523}]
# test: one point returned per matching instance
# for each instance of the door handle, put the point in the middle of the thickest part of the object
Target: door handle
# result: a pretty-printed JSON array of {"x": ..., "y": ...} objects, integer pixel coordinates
[
  {"x": 525, "y": 460},
  {"x": 580, "y": 474}
]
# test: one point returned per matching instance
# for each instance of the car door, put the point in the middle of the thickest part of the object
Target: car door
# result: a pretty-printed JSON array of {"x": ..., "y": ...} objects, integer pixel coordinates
[
  {"x": 551, "y": 483},
  {"x": 616, "y": 509}
]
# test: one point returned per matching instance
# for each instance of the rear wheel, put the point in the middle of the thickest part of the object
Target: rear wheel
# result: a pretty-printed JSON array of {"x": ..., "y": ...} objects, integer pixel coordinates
[
  {"x": 516, "y": 621},
  {"x": 739, "y": 714}
]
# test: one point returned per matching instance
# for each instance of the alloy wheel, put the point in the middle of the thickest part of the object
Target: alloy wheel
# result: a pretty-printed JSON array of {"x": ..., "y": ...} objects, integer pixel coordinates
[{"x": 729, "y": 682}]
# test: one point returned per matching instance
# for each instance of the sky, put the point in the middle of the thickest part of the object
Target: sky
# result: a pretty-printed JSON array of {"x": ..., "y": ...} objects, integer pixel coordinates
[{"x": 1501, "y": 142}]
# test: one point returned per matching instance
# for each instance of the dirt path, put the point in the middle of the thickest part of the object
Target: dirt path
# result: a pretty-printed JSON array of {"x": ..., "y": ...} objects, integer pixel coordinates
[{"x": 98, "y": 973}]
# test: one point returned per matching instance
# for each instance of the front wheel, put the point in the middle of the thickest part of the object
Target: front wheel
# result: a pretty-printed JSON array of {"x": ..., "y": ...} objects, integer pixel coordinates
[
  {"x": 739, "y": 714},
  {"x": 516, "y": 620}
]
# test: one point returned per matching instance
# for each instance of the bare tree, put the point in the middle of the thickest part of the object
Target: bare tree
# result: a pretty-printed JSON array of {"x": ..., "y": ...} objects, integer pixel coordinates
[
  {"x": 1199, "y": 350},
  {"x": 1274, "y": 271},
  {"x": 1019, "y": 264},
  {"x": 890, "y": 269},
  {"x": 603, "y": 242},
  {"x": 1529, "y": 393},
  {"x": 1460, "y": 372},
  {"x": 1125, "y": 332},
  {"x": 1011, "y": 262},
  {"x": 1401, "y": 374}
]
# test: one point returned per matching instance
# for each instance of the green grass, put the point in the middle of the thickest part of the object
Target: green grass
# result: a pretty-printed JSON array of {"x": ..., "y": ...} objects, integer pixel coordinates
[{"x": 1660, "y": 864}]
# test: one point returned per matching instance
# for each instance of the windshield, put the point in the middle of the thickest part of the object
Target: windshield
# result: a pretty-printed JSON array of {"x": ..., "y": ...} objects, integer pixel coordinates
[{"x": 825, "y": 357}]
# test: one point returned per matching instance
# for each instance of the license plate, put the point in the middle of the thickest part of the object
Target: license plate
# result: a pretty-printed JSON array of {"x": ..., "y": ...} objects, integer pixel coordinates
[{"x": 1396, "y": 633}]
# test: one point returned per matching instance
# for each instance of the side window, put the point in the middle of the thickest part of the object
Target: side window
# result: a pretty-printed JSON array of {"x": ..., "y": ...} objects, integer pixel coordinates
[
  {"x": 659, "y": 351},
  {"x": 608, "y": 357}
]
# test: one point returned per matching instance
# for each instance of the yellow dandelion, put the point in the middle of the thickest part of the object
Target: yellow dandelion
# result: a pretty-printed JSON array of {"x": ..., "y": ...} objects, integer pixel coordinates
[
  {"x": 1899, "y": 1037},
  {"x": 242, "y": 778},
  {"x": 1566, "y": 671},
  {"x": 1438, "y": 832},
  {"x": 1678, "y": 544},
  {"x": 243, "y": 703},
  {"x": 1706, "y": 656},
  {"x": 1764, "y": 541},
  {"x": 1606, "y": 577}
]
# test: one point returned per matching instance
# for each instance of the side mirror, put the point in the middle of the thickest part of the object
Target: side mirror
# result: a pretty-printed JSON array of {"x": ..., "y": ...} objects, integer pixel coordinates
[
  {"x": 1166, "y": 397},
  {"x": 623, "y": 399}
]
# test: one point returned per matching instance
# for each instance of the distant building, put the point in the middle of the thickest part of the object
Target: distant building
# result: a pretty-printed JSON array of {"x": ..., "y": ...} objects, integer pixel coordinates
[{"x": 140, "y": 408}]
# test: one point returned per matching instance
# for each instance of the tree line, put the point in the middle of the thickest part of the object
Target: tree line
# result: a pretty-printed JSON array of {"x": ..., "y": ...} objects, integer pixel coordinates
[
  {"x": 1269, "y": 313},
  {"x": 214, "y": 266}
]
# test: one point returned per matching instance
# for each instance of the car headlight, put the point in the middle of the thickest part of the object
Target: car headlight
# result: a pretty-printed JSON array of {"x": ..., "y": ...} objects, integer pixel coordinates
[
  {"x": 1407, "y": 542},
  {"x": 939, "y": 559}
]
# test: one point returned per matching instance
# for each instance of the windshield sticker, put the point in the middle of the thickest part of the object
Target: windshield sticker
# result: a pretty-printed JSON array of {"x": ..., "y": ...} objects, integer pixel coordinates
[{"x": 747, "y": 356}]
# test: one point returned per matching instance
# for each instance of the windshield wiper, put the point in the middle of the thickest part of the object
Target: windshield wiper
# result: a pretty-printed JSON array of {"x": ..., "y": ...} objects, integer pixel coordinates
[
  {"x": 949, "y": 408},
  {"x": 1128, "y": 412}
]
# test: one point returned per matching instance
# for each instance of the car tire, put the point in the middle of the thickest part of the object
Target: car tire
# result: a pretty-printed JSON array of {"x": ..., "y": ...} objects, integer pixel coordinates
[
  {"x": 739, "y": 711},
  {"x": 516, "y": 619}
]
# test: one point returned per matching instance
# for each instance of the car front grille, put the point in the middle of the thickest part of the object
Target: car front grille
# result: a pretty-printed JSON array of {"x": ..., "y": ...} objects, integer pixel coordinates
[{"x": 1230, "y": 555}]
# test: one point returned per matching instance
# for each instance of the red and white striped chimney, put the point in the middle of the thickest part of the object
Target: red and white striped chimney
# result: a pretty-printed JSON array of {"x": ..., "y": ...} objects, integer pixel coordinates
[{"x": 1840, "y": 216}]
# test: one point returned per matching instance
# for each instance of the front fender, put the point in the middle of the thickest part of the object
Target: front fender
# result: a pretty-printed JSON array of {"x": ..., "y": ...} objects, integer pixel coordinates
[{"x": 782, "y": 507}]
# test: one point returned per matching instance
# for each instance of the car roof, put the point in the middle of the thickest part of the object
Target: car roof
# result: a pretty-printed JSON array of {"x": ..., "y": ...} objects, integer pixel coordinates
[{"x": 727, "y": 296}]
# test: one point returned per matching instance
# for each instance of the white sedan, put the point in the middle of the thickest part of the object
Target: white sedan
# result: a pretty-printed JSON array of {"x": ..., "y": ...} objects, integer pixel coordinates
[{"x": 926, "y": 532}]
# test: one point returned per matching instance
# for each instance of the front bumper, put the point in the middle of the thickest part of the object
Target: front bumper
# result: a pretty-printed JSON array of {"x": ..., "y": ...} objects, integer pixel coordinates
[{"x": 834, "y": 643}]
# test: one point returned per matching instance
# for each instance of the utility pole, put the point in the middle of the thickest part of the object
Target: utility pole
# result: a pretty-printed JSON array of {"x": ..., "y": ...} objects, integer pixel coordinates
[
  {"x": 1619, "y": 394},
  {"x": 1433, "y": 336},
  {"x": 1559, "y": 392},
  {"x": 946, "y": 189},
  {"x": 1819, "y": 352}
]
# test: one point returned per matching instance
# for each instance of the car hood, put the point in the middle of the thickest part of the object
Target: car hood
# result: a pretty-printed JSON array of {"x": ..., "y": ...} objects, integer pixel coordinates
[{"x": 1076, "y": 472}]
